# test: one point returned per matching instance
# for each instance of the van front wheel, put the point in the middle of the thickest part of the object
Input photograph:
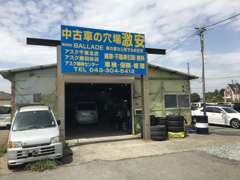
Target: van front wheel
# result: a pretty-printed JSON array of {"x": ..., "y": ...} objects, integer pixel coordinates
[{"x": 10, "y": 167}]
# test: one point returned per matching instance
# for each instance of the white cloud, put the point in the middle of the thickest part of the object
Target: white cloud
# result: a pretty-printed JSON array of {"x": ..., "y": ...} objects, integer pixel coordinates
[
  {"x": 164, "y": 22},
  {"x": 220, "y": 67},
  {"x": 13, "y": 51}
]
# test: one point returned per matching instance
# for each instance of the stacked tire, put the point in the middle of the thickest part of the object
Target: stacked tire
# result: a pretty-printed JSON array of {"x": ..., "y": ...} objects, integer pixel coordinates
[
  {"x": 158, "y": 128},
  {"x": 175, "y": 125},
  {"x": 201, "y": 124}
]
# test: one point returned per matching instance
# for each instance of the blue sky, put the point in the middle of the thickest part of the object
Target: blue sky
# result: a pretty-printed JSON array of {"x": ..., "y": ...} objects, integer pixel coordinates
[{"x": 165, "y": 24}]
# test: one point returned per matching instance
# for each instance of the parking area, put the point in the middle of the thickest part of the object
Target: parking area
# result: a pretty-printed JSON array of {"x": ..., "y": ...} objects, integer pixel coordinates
[
  {"x": 139, "y": 148},
  {"x": 222, "y": 142},
  {"x": 224, "y": 130}
]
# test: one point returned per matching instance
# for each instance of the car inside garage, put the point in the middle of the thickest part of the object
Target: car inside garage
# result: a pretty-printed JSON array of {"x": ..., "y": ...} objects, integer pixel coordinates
[{"x": 97, "y": 110}]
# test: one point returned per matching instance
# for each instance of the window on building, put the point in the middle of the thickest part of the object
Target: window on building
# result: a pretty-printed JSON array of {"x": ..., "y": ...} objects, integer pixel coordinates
[
  {"x": 170, "y": 101},
  {"x": 183, "y": 100},
  {"x": 177, "y": 101},
  {"x": 37, "y": 97}
]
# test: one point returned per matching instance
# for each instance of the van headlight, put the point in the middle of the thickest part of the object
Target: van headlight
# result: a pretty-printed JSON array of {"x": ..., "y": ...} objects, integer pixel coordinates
[
  {"x": 16, "y": 144},
  {"x": 55, "y": 139}
]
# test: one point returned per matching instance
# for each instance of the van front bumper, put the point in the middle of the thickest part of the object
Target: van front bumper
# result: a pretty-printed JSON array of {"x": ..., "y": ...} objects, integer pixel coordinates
[{"x": 18, "y": 156}]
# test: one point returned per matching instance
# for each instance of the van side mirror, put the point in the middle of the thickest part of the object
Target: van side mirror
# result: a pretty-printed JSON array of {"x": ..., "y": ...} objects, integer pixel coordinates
[
  {"x": 8, "y": 127},
  {"x": 59, "y": 122}
]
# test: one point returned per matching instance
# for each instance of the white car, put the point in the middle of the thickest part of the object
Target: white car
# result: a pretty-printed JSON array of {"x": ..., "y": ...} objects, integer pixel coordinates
[
  {"x": 5, "y": 116},
  {"x": 220, "y": 115},
  {"x": 34, "y": 135},
  {"x": 87, "y": 112}
]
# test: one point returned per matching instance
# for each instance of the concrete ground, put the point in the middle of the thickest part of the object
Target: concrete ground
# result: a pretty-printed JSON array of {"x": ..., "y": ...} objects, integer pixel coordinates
[
  {"x": 138, "y": 148},
  {"x": 137, "y": 159}
]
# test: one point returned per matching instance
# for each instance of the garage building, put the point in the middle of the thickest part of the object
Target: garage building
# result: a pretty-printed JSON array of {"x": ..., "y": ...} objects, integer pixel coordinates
[{"x": 115, "y": 101}]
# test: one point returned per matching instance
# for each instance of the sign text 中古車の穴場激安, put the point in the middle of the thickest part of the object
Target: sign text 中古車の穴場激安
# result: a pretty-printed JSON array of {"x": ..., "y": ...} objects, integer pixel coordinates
[{"x": 86, "y": 50}]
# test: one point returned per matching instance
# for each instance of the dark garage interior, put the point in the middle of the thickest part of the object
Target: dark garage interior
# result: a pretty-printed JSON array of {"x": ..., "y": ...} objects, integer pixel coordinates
[{"x": 97, "y": 110}]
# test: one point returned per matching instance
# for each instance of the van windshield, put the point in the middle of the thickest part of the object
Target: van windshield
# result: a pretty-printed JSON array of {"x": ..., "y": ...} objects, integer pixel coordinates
[{"x": 33, "y": 120}]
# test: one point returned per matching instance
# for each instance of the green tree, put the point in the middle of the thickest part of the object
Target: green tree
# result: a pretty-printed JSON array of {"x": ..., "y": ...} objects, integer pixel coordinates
[
  {"x": 222, "y": 91},
  {"x": 215, "y": 96},
  {"x": 195, "y": 97}
]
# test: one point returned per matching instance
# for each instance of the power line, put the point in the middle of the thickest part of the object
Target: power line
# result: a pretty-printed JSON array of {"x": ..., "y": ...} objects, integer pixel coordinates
[
  {"x": 223, "y": 77},
  {"x": 220, "y": 77},
  {"x": 209, "y": 29},
  {"x": 221, "y": 21},
  {"x": 179, "y": 43},
  {"x": 200, "y": 31}
]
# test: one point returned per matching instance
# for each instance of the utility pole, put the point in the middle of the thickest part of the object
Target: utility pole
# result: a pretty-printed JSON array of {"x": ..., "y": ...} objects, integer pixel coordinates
[
  {"x": 201, "y": 34},
  {"x": 188, "y": 68},
  {"x": 189, "y": 85}
]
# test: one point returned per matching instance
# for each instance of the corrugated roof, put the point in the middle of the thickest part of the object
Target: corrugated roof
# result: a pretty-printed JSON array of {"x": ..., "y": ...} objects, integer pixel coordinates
[
  {"x": 16, "y": 70},
  {"x": 173, "y": 71},
  {"x": 6, "y": 73}
]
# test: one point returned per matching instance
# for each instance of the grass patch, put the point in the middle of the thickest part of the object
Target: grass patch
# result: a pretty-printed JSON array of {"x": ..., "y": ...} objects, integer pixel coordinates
[
  {"x": 3, "y": 150},
  {"x": 42, "y": 165}
]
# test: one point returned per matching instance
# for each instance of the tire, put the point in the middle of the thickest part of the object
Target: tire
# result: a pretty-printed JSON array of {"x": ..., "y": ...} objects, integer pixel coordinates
[
  {"x": 158, "y": 138},
  {"x": 202, "y": 131},
  {"x": 175, "y": 118},
  {"x": 10, "y": 167},
  {"x": 176, "y": 123},
  {"x": 153, "y": 120},
  {"x": 235, "y": 123},
  {"x": 158, "y": 128},
  {"x": 161, "y": 121},
  {"x": 159, "y": 133},
  {"x": 175, "y": 129}
]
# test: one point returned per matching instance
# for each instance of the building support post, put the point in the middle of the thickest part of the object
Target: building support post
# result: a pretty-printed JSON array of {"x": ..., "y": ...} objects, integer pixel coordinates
[
  {"x": 60, "y": 95},
  {"x": 145, "y": 107},
  {"x": 13, "y": 99}
]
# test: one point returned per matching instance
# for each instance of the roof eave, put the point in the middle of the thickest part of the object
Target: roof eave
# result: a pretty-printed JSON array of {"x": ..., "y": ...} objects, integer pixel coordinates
[
  {"x": 189, "y": 76},
  {"x": 7, "y": 73}
]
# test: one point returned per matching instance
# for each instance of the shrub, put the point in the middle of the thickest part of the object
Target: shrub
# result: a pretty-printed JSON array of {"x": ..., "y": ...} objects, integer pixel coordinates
[
  {"x": 42, "y": 165},
  {"x": 3, "y": 150}
]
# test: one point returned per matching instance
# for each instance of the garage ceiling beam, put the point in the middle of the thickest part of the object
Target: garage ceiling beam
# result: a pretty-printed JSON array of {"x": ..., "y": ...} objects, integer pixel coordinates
[{"x": 51, "y": 42}]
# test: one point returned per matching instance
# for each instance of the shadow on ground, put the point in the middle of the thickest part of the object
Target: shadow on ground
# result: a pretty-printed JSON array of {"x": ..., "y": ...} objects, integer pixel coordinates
[{"x": 223, "y": 130}]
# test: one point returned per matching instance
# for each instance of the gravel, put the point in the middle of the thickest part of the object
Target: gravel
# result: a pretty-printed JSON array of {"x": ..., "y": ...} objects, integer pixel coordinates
[{"x": 229, "y": 151}]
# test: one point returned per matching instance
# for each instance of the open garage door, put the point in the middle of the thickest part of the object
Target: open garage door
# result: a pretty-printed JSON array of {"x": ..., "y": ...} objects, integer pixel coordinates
[{"x": 97, "y": 110}]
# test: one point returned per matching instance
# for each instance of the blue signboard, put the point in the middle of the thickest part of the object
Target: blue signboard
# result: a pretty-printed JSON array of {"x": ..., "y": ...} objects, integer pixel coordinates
[{"x": 85, "y": 50}]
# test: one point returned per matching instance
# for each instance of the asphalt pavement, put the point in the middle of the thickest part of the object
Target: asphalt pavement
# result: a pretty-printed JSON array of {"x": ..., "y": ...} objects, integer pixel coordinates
[
  {"x": 194, "y": 157},
  {"x": 181, "y": 166},
  {"x": 223, "y": 130}
]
